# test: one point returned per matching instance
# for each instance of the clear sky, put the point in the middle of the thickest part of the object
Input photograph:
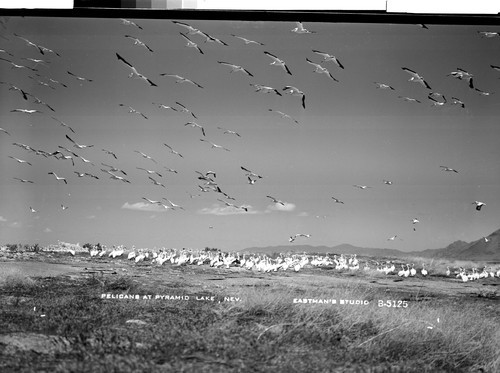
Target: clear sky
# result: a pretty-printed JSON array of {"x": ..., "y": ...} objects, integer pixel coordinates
[{"x": 349, "y": 133}]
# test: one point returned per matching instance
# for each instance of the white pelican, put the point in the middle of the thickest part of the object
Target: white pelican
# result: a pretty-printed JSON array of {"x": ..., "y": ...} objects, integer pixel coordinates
[
  {"x": 20, "y": 160},
  {"x": 155, "y": 182},
  {"x": 483, "y": 93},
  {"x": 415, "y": 77},
  {"x": 15, "y": 88},
  {"x": 250, "y": 173},
  {"x": 489, "y": 34},
  {"x": 299, "y": 29},
  {"x": 40, "y": 102},
  {"x": 63, "y": 124},
  {"x": 449, "y": 169},
  {"x": 145, "y": 156},
  {"x": 229, "y": 131},
  {"x": 134, "y": 111},
  {"x": 278, "y": 62},
  {"x": 479, "y": 204},
  {"x": 321, "y": 70},
  {"x": 32, "y": 210},
  {"x": 173, "y": 151},
  {"x": 329, "y": 57},
  {"x": 173, "y": 205},
  {"x": 265, "y": 89},
  {"x": 163, "y": 106},
  {"x": 235, "y": 68},
  {"x": 190, "y": 29},
  {"x": 383, "y": 86},
  {"x": 436, "y": 102},
  {"x": 212, "y": 39},
  {"x": 423, "y": 271},
  {"x": 109, "y": 152},
  {"x": 58, "y": 177},
  {"x": 76, "y": 145},
  {"x": 134, "y": 72},
  {"x": 463, "y": 75},
  {"x": 64, "y": 207},
  {"x": 150, "y": 171},
  {"x": 181, "y": 79},
  {"x": 196, "y": 125},
  {"x": 130, "y": 23},
  {"x": 14, "y": 65},
  {"x": 116, "y": 177},
  {"x": 294, "y": 91},
  {"x": 215, "y": 145},
  {"x": 393, "y": 238},
  {"x": 184, "y": 109},
  {"x": 247, "y": 41},
  {"x": 387, "y": 182},
  {"x": 337, "y": 200},
  {"x": 361, "y": 186},
  {"x": 113, "y": 169},
  {"x": 457, "y": 101},
  {"x": 409, "y": 99},
  {"x": 26, "y": 111},
  {"x": 82, "y": 174},
  {"x": 294, "y": 237},
  {"x": 139, "y": 42},
  {"x": 29, "y": 43},
  {"x": 191, "y": 43},
  {"x": 24, "y": 180},
  {"x": 80, "y": 78},
  {"x": 151, "y": 201},
  {"x": 276, "y": 200}
]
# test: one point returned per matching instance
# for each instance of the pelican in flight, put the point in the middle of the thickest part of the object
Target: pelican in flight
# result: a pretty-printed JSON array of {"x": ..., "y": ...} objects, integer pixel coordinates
[
  {"x": 24, "y": 180},
  {"x": 283, "y": 115},
  {"x": 250, "y": 173},
  {"x": 409, "y": 99},
  {"x": 393, "y": 238},
  {"x": 110, "y": 153},
  {"x": 247, "y": 41},
  {"x": 116, "y": 177},
  {"x": 414, "y": 221},
  {"x": 139, "y": 42},
  {"x": 236, "y": 68},
  {"x": 294, "y": 237},
  {"x": 320, "y": 69},
  {"x": 82, "y": 174},
  {"x": 278, "y": 62},
  {"x": 20, "y": 160},
  {"x": 151, "y": 201},
  {"x": 415, "y": 77},
  {"x": 113, "y": 169},
  {"x": 215, "y": 145},
  {"x": 457, "y": 101},
  {"x": 483, "y": 93},
  {"x": 64, "y": 124},
  {"x": 361, "y": 186},
  {"x": 463, "y": 75},
  {"x": 489, "y": 34},
  {"x": 14, "y": 65},
  {"x": 181, "y": 79},
  {"x": 190, "y": 29},
  {"x": 196, "y": 125},
  {"x": 191, "y": 43},
  {"x": 299, "y": 29},
  {"x": 265, "y": 89},
  {"x": 173, "y": 151},
  {"x": 449, "y": 169},
  {"x": 76, "y": 145},
  {"x": 15, "y": 88},
  {"x": 134, "y": 111},
  {"x": 4, "y": 131},
  {"x": 29, "y": 43},
  {"x": 26, "y": 111},
  {"x": 387, "y": 182},
  {"x": 134, "y": 72},
  {"x": 150, "y": 172},
  {"x": 294, "y": 91},
  {"x": 173, "y": 205},
  {"x": 337, "y": 200},
  {"x": 130, "y": 23},
  {"x": 58, "y": 177},
  {"x": 32, "y": 210},
  {"x": 145, "y": 156},
  {"x": 64, "y": 207},
  {"x": 329, "y": 57},
  {"x": 384, "y": 86},
  {"x": 184, "y": 109},
  {"x": 163, "y": 106},
  {"x": 80, "y": 78},
  {"x": 276, "y": 200},
  {"x": 478, "y": 204},
  {"x": 155, "y": 182},
  {"x": 226, "y": 131}
]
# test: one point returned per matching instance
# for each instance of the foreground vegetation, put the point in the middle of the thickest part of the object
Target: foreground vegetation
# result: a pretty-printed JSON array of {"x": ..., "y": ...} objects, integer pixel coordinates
[{"x": 264, "y": 332}]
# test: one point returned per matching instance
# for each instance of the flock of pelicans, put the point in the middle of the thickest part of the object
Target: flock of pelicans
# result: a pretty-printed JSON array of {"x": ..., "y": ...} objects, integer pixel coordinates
[
  {"x": 207, "y": 178},
  {"x": 264, "y": 263}
]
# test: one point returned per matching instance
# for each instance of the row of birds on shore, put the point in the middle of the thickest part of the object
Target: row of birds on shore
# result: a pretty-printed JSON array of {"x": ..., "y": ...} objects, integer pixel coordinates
[{"x": 281, "y": 262}]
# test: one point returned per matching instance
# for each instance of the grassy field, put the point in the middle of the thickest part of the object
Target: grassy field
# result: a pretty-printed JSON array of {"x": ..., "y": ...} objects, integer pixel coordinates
[{"x": 63, "y": 323}]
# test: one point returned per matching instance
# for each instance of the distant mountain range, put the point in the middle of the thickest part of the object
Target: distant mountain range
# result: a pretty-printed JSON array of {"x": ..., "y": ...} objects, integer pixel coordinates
[{"x": 484, "y": 249}]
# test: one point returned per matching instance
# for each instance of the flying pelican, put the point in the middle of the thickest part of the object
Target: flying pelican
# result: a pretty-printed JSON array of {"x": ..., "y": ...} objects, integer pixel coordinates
[
  {"x": 191, "y": 43},
  {"x": 337, "y": 200},
  {"x": 463, "y": 75},
  {"x": 32, "y": 210},
  {"x": 457, "y": 101},
  {"x": 63, "y": 124},
  {"x": 383, "y": 86},
  {"x": 436, "y": 102},
  {"x": 265, "y": 89},
  {"x": 299, "y": 29},
  {"x": 415, "y": 77},
  {"x": 110, "y": 153},
  {"x": 250, "y": 173},
  {"x": 150, "y": 172},
  {"x": 229, "y": 131},
  {"x": 80, "y": 78},
  {"x": 387, "y": 182},
  {"x": 236, "y": 68},
  {"x": 58, "y": 177},
  {"x": 64, "y": 207},
  {"x": 181, "y": 79},
  {"x": 113, "y": 169},
  {"x": 278, "y": 62},
  {"x": 190, "y": 29},
  {"x": 134, "y": 111},
  {"x": 130, "y": 23},
  {"x": 212, "y": 39},
  {"x": 155, "y": 182},
  {"x": 173, "y": 151},
  {"x": 76, "y": 145},
  {"x": 26, "y": 111},
  {"x": 283, "y": 115},
  {"x": 14, "y": 65},
  {"x": 393, "y": 238},
  {"x": 294, "y": 237},
  {"x": 146, "y": 156},
  {"x": 163, "y": 106},
  {"x": 232, "y": 205},
  {"x": 116, "y": 177},
  {"x": 20, "y": 160},
  {"x": 173, "y": 205},
  {"x": 329, "y": 57},
  {"x": 185, "y": 109},
  {"x": 151, "y": 201},
  {"x": 170, "y": 169},
  {"x": 139, "y": 42},
  {"x": 40, "y": 102},
  {"x": 29, "y": 43},
  {"x": 489, "y": 34},
  {"x": 483, "y": 93},
  {"x": 296, "y": 92},
  {"x": 409, "y": 99},
  {"x": 4, "y": 131},
  {"x": 215, "y": 145},
  {"x": 193, "y": 124},
  {"x": 247, "y": 41},
  {"x": 320, "y": 69},
  {"x": 361, "y": 186},
  {"x": 15, "y": 88},
  {"x": 276, "y": 200},
  {"x": 82, "y": 174},
  {"x": 24, "y": 180},
  {"x": 479, "y": 204},
  {"x": 449, "y": 169},
  {"x": 134, "y": 72}
]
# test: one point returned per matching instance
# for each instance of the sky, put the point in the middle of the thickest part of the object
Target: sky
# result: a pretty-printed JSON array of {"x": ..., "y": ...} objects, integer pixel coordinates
[{"x": 349, "y": 133}]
